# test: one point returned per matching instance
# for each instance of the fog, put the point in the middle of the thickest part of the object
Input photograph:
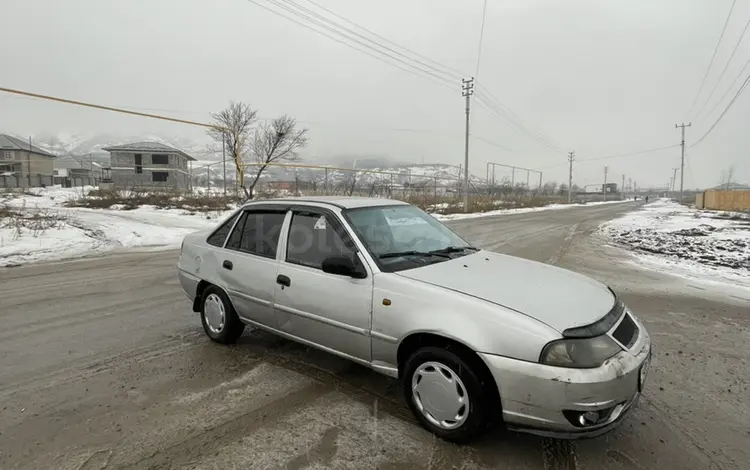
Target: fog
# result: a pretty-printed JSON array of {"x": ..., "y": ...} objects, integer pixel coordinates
[{"x": 598, "y": 78}]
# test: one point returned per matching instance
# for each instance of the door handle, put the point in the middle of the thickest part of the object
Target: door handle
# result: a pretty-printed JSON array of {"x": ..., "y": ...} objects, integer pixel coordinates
[
  {"x": 283, "y": 280},
  {"x": 227, "y": 265}
]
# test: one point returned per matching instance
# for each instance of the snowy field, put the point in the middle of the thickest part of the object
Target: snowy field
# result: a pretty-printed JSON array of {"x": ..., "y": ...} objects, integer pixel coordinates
[
  {"x": 38, "y": 227},
  {"x": 52, "y": 231},
  {"x": 710, "y": 246},
  {"x": 521, "y": 210}
]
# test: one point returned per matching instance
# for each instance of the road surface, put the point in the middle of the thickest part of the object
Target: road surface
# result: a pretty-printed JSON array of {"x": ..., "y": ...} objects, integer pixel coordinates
[{"x": 105, "y": 366}]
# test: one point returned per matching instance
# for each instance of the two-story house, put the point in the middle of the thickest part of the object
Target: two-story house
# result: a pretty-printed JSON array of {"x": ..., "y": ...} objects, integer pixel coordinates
[
  {"x": 149, "y": 165},
  {"x": 23, "y": 163}
]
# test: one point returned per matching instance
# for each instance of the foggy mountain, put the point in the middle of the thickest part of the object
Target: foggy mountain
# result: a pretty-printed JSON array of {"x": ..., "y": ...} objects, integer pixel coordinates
[{"x": 72, "y": 149}]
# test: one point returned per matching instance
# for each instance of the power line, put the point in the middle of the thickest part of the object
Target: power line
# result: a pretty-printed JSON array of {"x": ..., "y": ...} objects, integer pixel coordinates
[
  {"x": 494, "y": 144},
  {"x": 500, "y": 108},
  {"x": 736, "y": 79},
  {"x": 628, "y": 154},
  {"x": 713, "y": 57},
  {"x": 417, "y": 71},
  {"x": 107, "y": 108},
  {"x": 618, "y": 155},
  {"x": 481, "y": 39},
  {"x": 457, "y": 73},
  {"x": 726, "y": 66},
  {"x": 723, "y": 113},
  {"x": 302, "y": 12},
  {"x": 306, "y": 12},
  {"x": 129, "y": 110},
  {"x": 504, "y": 116}
]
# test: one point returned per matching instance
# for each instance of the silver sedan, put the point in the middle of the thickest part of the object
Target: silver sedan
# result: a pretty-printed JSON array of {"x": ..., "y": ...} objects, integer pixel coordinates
[{"x": 475, "y": 337}]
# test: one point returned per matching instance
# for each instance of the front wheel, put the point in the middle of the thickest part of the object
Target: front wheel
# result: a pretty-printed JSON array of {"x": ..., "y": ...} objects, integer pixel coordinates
[
  {"x": 220, "y": 321},
  {"x": 446, "y": 394}
]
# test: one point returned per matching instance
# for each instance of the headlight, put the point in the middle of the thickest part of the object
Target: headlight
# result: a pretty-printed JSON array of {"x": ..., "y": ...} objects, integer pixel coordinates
[{"x": 579, "y": 353}]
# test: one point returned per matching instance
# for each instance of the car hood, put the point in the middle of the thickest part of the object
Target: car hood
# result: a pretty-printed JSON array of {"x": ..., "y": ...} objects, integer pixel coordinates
[{"x": 557, "y": 297}]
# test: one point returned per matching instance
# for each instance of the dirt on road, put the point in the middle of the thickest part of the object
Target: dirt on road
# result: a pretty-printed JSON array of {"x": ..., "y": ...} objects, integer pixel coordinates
[{"x": 104, "y": 366}]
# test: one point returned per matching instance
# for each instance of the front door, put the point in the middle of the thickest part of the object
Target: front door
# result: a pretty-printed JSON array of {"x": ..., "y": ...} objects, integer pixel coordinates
[
  {"x": 248, "y": 264},
  {"x": 329, "y": 310}
]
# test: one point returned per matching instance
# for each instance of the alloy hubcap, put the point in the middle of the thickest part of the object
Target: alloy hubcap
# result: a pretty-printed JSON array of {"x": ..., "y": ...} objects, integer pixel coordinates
[
  {"x": 213, "y": 309},
  {"x": 440, "y": 395}
]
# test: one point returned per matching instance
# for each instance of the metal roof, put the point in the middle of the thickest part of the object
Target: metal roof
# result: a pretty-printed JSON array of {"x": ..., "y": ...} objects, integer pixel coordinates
[
  {"x": 146, "y": 147},
  {"x": 8, "y": 142}
]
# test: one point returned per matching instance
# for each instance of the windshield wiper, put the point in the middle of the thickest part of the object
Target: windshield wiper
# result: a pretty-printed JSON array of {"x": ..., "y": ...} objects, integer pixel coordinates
[
  {"x": 398, "y": 254},
  {"x": 454, "y": 249}
]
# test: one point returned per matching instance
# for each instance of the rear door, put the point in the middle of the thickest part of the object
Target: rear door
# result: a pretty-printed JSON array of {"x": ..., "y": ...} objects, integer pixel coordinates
[
  {"x": 248, "y": 266},
  {"x": 329, "y": 310}
]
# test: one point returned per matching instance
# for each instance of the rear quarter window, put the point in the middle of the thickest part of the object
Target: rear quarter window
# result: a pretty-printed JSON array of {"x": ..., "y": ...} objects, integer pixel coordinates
[{"x": 220, "y": 234}]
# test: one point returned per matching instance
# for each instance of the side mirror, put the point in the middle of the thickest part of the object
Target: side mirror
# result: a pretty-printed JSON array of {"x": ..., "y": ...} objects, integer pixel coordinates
[{"x": 342, "y": 266}]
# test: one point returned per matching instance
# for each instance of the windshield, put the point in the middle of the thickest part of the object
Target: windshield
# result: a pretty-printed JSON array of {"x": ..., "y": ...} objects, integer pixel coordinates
[{"x": 404, "y": 236}]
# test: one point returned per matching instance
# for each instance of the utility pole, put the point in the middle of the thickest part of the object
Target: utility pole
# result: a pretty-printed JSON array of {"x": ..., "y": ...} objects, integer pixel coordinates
[
  {"x": 622, "y": 188},
  {"x": 604, "y": 188},
  {"x": 571, "y": 157},
  {"x": 682, "y": 160},
  {"x": 224, "y": 160},
  {"x": 467, "y": 89},
  {"x": 674, "y": 179}
]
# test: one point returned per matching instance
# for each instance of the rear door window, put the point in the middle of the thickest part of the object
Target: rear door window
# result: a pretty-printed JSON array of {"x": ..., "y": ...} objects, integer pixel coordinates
[
  {"x": 258, "y": 233},
  {"x": 220, "y": 235}
]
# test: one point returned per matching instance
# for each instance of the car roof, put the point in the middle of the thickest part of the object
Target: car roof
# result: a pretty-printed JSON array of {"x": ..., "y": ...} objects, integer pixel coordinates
[{"x": 343, "y": 202}]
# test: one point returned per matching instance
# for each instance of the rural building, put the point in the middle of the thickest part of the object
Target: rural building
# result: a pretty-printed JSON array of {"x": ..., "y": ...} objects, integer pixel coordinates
[
  {"x": 149, "y": 165},
  {"x": 24, "y": 165}
]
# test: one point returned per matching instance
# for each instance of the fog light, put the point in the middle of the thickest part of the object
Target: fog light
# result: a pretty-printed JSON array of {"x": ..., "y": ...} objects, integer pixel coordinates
[{"x": 588, "y": 418}]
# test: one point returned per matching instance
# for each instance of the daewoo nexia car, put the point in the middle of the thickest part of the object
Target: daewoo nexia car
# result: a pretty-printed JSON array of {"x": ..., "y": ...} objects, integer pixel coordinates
[{"x": 476, "y": 337}]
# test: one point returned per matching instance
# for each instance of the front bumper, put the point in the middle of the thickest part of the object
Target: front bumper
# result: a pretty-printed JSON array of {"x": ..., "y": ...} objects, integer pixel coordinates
[{"x": 535, "y": 398}]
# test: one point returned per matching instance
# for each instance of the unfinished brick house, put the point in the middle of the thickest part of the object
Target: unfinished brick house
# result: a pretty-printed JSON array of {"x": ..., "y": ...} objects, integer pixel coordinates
[{"x": 150, "y": 165}]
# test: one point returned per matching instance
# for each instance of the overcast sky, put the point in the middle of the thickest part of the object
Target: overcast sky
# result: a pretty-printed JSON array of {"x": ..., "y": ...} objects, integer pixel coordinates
[{"x": 598, "y": 77}]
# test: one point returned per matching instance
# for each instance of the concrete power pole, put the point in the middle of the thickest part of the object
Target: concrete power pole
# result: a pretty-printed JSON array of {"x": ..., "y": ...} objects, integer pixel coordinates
[
  {"x": 682, "y": 160},
  {"x": 571, "y": 157},
  {"x": 674, "y": 179},
  {"x": 622, "y": 188},
  {"x": 224, "y": 159},
  {"x": 604, "y": 189},
  {"x": 467, "y": 89}
]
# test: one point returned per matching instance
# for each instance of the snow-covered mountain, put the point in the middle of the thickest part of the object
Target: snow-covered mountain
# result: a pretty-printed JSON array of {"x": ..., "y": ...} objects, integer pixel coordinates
[
  {"x": 73, "y": 148},
  {"x": 64, "y": 143},
  {"x": 414, "y": 175}
]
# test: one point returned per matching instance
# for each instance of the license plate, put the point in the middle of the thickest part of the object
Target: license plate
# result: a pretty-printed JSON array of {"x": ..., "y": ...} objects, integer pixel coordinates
[{"x": 644, "y": 372}]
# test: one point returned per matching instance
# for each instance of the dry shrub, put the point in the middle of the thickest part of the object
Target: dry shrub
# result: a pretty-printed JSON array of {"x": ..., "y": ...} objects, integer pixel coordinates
[
  {"x": 129, "y": 200},
  {"x": 35, "y": 221}
]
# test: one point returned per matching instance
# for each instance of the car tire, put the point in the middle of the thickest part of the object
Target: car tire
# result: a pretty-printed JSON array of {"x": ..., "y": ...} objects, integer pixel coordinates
[
  {"x": 451, "y": 368},
  {"x": 220, "y": 321}
]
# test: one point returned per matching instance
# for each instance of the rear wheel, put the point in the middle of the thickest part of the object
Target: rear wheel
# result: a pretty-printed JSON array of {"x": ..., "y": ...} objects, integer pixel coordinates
[
  {"x": 220, "y": 321},
  {"x": 446, "y": 394}
]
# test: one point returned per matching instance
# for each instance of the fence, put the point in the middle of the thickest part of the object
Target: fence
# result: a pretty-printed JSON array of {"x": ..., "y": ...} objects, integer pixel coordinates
[
  {"x": 738, "y": 200},
  {"x": 11, "y": 181}
]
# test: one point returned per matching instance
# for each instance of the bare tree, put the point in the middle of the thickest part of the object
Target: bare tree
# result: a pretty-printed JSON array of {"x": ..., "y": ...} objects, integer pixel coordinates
[
  {"x": 233, "y": 130},
  {"x": 275, "y": 141},
  {"x": 727, "y": 176},
  {"x": 549, "y": 188}
]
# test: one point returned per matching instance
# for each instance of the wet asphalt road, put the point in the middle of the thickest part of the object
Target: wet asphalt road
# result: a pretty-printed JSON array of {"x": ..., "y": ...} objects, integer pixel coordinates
[{"x": 103, "y": 365}]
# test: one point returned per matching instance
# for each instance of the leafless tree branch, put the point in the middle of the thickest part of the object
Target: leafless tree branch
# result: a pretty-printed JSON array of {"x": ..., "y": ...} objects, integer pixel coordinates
[{"x": 234, "y": 128}]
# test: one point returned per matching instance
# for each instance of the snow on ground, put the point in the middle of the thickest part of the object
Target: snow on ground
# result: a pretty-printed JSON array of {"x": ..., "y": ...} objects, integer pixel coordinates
[
  {"x": 520, "y": 210},
  {"x": 710, "y": 246},
  {"x": 50, "y": 231},
  {"x": 58, "y": 232}
]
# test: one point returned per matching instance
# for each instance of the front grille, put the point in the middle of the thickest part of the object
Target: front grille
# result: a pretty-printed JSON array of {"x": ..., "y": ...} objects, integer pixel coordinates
[{"x": 626, "y": 332}]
